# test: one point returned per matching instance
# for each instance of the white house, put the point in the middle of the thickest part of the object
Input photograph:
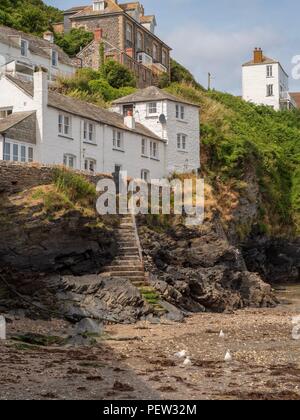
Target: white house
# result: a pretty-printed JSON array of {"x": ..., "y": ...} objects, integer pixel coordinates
[
  {"x": 265, "y": 82},
  {"x": 20, "y": 53},
  {"x": 173, "y": 120},
  {"x": 39, "y": 124}
]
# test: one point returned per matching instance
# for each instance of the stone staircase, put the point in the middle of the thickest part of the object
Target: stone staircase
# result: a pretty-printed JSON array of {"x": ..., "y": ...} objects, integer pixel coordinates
[{"x": 128, "y": 263}]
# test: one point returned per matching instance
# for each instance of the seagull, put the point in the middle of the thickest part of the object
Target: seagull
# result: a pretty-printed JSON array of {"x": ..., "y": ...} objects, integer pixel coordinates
[
  {"x": 222, "y": 335},
  {"x": 228, "y": 357},
  {"x": 181, "y": 354},
  {"x": 187, "y": 362}
]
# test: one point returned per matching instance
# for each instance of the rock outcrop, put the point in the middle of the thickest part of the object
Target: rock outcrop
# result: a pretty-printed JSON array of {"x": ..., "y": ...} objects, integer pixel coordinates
[{"x": 198, "y": 270}]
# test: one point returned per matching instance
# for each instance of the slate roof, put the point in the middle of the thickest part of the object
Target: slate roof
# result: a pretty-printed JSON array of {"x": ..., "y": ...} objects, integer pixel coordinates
[
  {"x": 85, "y": 109},
  {"x": 37, "y": 46},
  {"x": 13, "y": 119},
  {"x": 296, "y": 97},
  {"x": 266, "y": 60},
  {"x": 149, "y": 94}
]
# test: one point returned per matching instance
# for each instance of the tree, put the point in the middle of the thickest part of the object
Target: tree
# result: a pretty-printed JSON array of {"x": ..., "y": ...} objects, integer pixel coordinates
[
  {"x": 118, "y": 75},
  {"x": 74, "y": 40}
]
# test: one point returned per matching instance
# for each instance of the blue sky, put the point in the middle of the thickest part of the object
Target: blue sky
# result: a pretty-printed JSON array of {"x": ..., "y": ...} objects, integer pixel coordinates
[{"x": 219, "y": 35}]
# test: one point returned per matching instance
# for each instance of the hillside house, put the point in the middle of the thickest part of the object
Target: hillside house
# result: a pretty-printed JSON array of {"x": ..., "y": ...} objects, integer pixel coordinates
[
  {"x": 128, "y": 36},
  {"x": 20, "y": 53},
  {"x": 265, "y": 82},
  {"x": 39, "y": 124}
]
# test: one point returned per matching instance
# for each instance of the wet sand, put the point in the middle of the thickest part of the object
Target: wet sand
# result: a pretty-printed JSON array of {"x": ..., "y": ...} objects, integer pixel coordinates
[{"x": 137, "y": 361}]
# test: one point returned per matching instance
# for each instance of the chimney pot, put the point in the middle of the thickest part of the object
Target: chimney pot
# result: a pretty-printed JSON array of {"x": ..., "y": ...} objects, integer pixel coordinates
[
  {"x": 258, "y": 56},
  {"x": 98, "y": 34},
  {"x": 129, "y": 120}
]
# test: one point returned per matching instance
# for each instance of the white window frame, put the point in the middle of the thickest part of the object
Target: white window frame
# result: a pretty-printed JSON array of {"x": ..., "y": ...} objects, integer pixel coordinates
[
  {"x": 139, "y": 41},
  {"x": 87, "y": 163},
  {"x": 54, "y": 58},
  {"x": 16, "y": 150},
  {"x": 152, "y": 109},
  {"x": 182, "y": 142},
  {"x": 118, "y": 143},
  {"x": 64, "y": 128},
  {"x": 154, "y": 150},
  {"x": 144, "y": 147},
  {"x": 5, "y": 112},
  {"x": 270, "y": 90},
  {"x": 67, "y": 159},
  {"x": 88, "y": 132},
  {"x": 145, "y": 175},
  {"x": 98, "y": 6},
  {"x": 269, "y": 71},
  {"x": 24, "y": 46},
  {"x": 180, "y": 112}
]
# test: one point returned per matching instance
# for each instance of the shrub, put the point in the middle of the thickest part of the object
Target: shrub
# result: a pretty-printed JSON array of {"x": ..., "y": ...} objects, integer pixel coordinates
[
  {"x": 117, "y": 75},
  {"x": 74, "y": 186}
]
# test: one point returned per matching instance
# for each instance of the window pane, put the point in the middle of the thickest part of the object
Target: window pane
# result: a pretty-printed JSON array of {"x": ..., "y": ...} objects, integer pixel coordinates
[
  {"x": 15, "y": 152},
  {"x": 30, "y": 154},
  {"x": 23, "y": 154},
  {"x": 6, "y": 151}
]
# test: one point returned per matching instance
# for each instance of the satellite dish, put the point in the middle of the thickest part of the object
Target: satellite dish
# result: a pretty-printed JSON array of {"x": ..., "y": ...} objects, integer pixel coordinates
[{"x": 162, "y": 119}]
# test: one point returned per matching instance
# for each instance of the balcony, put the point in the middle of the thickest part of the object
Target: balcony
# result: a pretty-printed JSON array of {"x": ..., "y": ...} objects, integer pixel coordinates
[
  {"x": 286, "y": 101},
  {"x": 20, "y": 69},
  {"x": 145, "y": 59},
  {"x": 160, "y": 67}
]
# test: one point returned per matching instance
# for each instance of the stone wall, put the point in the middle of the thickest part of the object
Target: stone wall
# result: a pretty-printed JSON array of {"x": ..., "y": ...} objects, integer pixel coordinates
[{"x": 15, "y": 177}]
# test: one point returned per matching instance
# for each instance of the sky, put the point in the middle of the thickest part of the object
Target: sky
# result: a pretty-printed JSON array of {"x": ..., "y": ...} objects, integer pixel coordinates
[{"x": 218, "y": 36}]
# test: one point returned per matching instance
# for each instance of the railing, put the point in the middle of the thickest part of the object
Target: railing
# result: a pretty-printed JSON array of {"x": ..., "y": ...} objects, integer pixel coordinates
[{"x": 286, "y": 97}]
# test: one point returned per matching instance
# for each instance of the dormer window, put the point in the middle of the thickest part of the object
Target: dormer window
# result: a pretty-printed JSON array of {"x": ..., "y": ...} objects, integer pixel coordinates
[
  {"x": 99, "y": 5},
  {"x": 24, "y": 48},
  {"x": 54, "y": 58}
]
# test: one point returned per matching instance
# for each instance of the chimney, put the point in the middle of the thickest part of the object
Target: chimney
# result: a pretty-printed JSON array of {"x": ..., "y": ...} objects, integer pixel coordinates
[
  {"x": 48, "y": 36},
  {"x": 98, "y": 34},
  {"x": 258, "y": 56},
  {"x": 129, "y": 120},
  {"x": 40, "y": 87}
]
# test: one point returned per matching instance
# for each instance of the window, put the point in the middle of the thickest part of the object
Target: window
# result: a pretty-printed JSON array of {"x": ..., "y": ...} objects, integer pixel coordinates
[
  {"x": 89, "y": 132},
  {"x": 24, "y": 48},
  {"x": 69, "y": 161},
  {"x": 145, "y": 175},
  {"x": 64, "y": 125},
  {"x": 269, "y": 71},
  {"x": 164, "y": 58},
  {"x": 129, "y": 38},
  {"x": 17, "y": 152},
  {"x": 90, "y": 165},
  {"x": 154, "y": 150},
  {"x": 181, "y": 142},
  {"x": 54, "y": 58},
  {"x": 117, "y": 140},
  {"x": 139, "y": 41},
  {"x": 270, "y": 90},
  {"x": 144, "y": 147},
  {"x": 5, "y": 112},
  {"x": 152, "y": 108},
  {"x": 180, "y": 112},
  {"x": 98, "y": 6}
]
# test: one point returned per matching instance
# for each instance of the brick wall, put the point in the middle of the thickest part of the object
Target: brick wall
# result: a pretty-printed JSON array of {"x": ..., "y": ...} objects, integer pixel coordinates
[
  {"x": 15, "y": 177},
  {"x": 110, "y": 26}
]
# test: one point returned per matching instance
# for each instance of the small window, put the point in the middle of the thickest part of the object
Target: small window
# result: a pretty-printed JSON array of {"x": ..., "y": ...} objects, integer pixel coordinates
[
  {"x": 24, "y": 48},
  {"x": 180, "y": 112},
  {"x": 270, "y": 90},
  {"x": 15, "y": 152},
  {"x": 155, "y": 53},
  {"x": 89, "y": 132},
  {"x": 5, "y": 112},
  {"x": 144, "y": 147},
  {"x": 90, "y": 165},
  {"x": 129, "y": 38},
  {"x": 181, "y": 142},
  {"x": 30, "y": 154},
  {"x": 23, "y": 154},
  {"x": 117, "y": 140},
  {"x": 164, "y": 58},
  {"x": 145, "y": 175},
  {"x": 154, "y": 150},
  {"x": 64, "y": 125},
  {"x": 54, "y": 58},
  {"x": 269, "y": 71},
  {"x": 152, "y": 108},
  {"x": 6, "y": 153},
  {"x": 139, "y": 41},
  {"x": 69, "y": 161}
]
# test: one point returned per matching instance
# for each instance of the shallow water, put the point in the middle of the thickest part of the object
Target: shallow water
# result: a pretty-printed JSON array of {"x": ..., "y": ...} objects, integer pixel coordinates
[{"x": 289, "y": 296}]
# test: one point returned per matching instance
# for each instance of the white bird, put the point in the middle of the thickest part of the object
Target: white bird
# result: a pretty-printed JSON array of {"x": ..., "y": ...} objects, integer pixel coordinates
[
  {"x": 181, "y": 354},
  {"x": 222, "y": 335},
  {"x": 228, "y": 357},
  {"x": 187, "y": 362}
]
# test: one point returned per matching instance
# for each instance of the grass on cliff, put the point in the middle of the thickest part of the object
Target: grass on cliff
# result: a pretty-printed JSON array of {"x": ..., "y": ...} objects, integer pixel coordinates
[{"x": 240, "y": 139}]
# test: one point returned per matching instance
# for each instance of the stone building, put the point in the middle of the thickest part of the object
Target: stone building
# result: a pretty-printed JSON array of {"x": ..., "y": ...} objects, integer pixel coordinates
[{"x": 128, "y": 37}]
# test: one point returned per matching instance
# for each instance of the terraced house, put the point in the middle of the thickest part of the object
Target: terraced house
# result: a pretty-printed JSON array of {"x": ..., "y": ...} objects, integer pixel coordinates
[
  {"x": 128, "y": 36},
  {"x": 150, "y": 134}
]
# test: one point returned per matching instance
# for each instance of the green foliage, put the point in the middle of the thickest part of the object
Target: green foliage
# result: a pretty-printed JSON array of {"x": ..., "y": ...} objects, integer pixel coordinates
[
  {"x": 76, "y": 188},
  {"x": 31, "y": 16},
  {"x": 241, "y": 138},
  {"x": 180, "y": 74},
  {"x": 74, "y": 40},
  {"x": 118, "y": 75}
]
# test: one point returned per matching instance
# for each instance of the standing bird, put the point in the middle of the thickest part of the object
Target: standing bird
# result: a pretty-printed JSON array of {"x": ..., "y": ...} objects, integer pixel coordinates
[
  {"x": 228, "y": 357},
  {"x": 187, "y": 362},
  {"x": 181, "y": 354},
  {"x": 222, "y": 335}
]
